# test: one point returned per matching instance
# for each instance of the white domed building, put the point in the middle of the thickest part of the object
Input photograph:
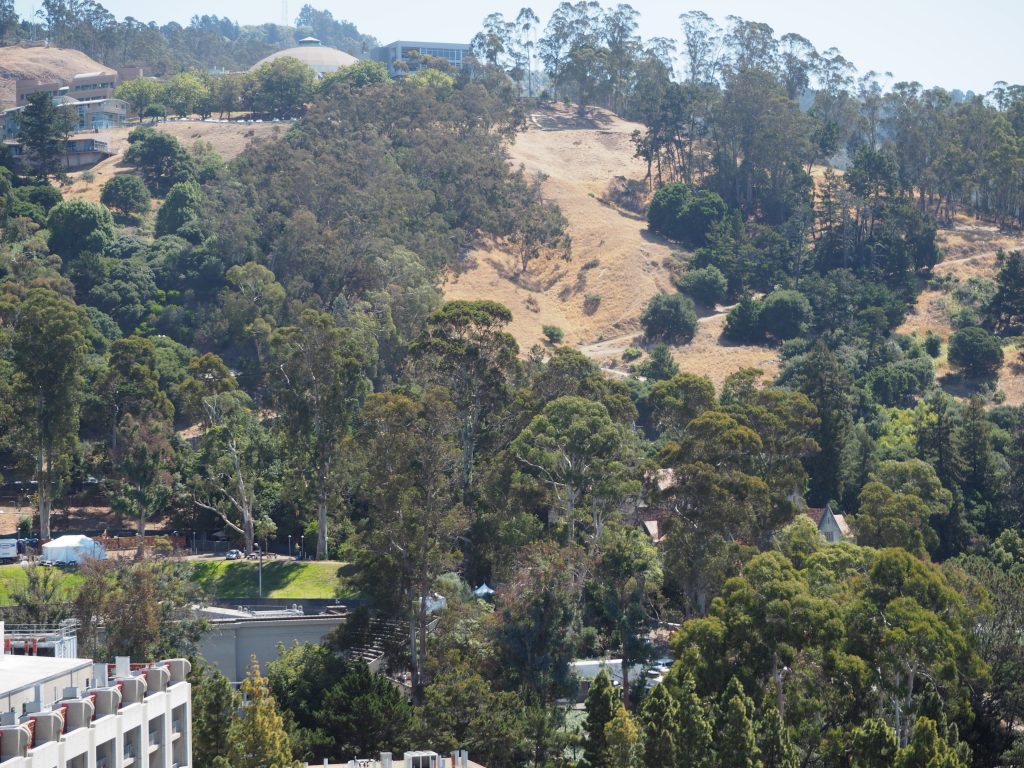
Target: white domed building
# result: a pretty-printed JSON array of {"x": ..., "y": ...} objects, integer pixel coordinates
[{"x": 320, "y": 58}]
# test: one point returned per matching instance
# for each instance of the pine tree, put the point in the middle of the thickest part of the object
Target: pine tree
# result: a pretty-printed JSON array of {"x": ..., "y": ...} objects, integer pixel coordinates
[
  {"x": 693, "y": 740},
  {"x": 737, "y": 746},
  {"x": 773, "y": 743},
  {"x": 828, "y": 385},
  {"x": 214, "y": 702},
  {"x": 43, "y": 129},
  {"x": 257, "y": 736},
  {"x": 873, "y": 745},
  {"x": 622, "y": 740},
  {"x": 601, "y": 706},
  {"x": 659, "y": 722},
  {"x": 927, "y": 749}
]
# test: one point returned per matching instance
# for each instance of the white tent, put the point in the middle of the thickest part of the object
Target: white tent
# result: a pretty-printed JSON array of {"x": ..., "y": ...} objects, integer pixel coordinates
[
  {"x": 483, "y": 591},
  {"x": 73, "y": 548}
]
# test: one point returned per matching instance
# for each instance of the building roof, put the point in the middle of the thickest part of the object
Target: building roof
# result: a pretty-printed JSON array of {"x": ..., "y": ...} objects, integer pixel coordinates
[
  {"x": 20, "y": 672},
  {"x": 841, "y": 522},
  {"x": 313, "y": 54},
  {"x": 424, "y": 44},
  {"x": 815, "y": 513},
  {"x": 83, "y": 75}
]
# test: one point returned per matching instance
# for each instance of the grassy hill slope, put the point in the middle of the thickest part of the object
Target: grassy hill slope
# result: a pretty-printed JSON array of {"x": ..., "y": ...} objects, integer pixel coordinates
[
  {"x": 41, "y": 64},
  {"x": 224, "y": 579},
  {"x": 614, "y": 256}
]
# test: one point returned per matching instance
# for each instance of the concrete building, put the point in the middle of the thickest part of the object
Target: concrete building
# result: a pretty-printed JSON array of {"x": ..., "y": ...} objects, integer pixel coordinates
[
  {"x": 235, "y": 636},
  {"x": 85, "y": 86},
  {"x": 58, "y": 712},
  {"x": 93, "y": 115},
  {"x": 322, "y": 59},
  {"x": 23, "y": 88},
  {"x": 93, "y": 85},
  {"x": 404, "y": 56}
]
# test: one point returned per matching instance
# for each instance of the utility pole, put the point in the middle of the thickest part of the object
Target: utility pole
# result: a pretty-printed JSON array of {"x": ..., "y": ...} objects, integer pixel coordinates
[{"x": 261, "y": 572}]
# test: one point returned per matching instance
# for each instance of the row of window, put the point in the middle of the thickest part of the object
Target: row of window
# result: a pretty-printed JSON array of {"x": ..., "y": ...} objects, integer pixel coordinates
[{"x": 452, "y": 54}]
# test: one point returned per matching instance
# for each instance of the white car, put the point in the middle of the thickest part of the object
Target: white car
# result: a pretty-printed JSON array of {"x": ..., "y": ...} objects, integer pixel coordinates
[{"x": 233, "y": 554}]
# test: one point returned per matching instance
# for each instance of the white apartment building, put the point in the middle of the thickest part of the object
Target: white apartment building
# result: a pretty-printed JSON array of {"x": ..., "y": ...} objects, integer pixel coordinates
[{"x": 61, "y": 712}]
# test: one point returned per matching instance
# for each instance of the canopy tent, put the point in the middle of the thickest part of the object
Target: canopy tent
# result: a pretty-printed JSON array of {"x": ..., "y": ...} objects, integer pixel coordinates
[
  {"x": 73, "y": 548},
  {"x": 483, "y": 591}
]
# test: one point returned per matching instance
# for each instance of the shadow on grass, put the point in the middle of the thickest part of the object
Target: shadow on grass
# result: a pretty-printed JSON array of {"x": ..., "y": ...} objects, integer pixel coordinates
[{"x": 281, "y": 578}]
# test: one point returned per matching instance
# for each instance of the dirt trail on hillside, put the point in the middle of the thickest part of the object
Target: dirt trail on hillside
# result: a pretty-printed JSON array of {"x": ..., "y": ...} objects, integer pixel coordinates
[{"x": 613, "y": 254}]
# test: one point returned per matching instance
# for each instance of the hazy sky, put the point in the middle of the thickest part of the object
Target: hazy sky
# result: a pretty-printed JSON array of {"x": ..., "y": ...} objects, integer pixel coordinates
[{"x": 939, "y": 42}]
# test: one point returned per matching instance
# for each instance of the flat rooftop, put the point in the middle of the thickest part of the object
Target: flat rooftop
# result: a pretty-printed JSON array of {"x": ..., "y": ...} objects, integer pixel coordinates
[{"x": 20, "y": 672}]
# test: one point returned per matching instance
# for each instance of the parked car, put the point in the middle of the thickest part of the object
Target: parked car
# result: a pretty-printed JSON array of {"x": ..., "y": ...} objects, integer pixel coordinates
[{"x": 233, "y": 554}]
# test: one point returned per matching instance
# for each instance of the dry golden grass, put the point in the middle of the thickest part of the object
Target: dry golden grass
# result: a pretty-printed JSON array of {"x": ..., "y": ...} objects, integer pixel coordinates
[
  {"x": 229, "y": 139},
  {"x": 613, "y": 254},
  {"x": 969, "y": 250},
  {"x": 45, "y": 64}
]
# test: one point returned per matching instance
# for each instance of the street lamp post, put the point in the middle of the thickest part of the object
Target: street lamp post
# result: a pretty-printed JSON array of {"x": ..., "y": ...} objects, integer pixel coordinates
[
  {"x": 290, "y": 553},
  {"x": 261, "y": 572}
]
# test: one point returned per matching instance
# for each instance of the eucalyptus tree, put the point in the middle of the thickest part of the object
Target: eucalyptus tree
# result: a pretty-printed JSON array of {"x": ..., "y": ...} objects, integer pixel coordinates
[
  {"x": 318, "y": 377},
  {"x": 48, "y": 348}
]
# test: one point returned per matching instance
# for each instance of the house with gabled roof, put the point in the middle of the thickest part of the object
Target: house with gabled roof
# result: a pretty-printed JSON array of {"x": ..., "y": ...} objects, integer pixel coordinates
[{"x": 831, "y": 525}]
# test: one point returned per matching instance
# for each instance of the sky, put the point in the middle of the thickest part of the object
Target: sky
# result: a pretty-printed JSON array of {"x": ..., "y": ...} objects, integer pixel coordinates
[{"x": 940, "y": 42}]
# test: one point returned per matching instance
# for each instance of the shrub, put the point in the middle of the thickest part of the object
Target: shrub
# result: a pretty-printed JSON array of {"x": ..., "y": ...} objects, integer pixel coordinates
[
  {"x": 659, "y": 366},
  {"x": 181, "y": 207},
  {"x": 43, "y": 195},
  {"x": 933, "y": 344},
  {"x": 707, "y": 285},
  {"x": 591, "y": 302},
  {"x": 160, "y": 157},
  {"x": 670, "y": 317},
  {"x": 155, "y": 111},
  {"x": 743, "y": 324},
  {"x": 554, "y": 334},
  {"x": 665, "y": 208},
  {"x": 77, "y": 226},
  {"x": 895, "y": 384},
  {"x": 680, "y": 215},
  {"x": 975, "y": 351},
  {"x": 126, "y": 193},
  {"x": 784, "y": 314},
  {"x": 631, "y": 354}
]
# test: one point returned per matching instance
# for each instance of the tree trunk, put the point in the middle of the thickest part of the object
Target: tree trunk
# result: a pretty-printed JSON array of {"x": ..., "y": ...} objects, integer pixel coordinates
[
  {"x": 413, "y": 654},
  {"x": 321, "y": 509},
  {"x": 43, "y": 489},
  {"x": 625, "y": 677},
  {"x": 780, "y": 694},
  {"x": 140, "y": 536}
]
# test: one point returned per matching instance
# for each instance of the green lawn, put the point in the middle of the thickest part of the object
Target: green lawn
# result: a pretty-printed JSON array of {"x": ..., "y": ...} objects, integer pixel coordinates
[
  {"x": 12, "y": 578},
  {"x": 281, "y": 578},
  {"x": 229, "y": 579}
]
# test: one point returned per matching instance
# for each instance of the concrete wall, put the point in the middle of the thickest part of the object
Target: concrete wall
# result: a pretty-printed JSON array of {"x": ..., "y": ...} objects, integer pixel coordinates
[{"x": 229, "y": 645}]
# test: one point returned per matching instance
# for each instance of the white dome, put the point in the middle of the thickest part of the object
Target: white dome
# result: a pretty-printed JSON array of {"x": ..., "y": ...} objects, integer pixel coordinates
[{"x": 320, "y": 58}]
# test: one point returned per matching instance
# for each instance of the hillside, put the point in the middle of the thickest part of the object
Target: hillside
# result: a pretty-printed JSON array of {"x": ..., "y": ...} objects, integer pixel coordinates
[
  {"x": 229, "y": 139},
  {"x": 613, "y": 254},
  {"x": 968, "y": 251},
  {"x": 41, "y": 64}
]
